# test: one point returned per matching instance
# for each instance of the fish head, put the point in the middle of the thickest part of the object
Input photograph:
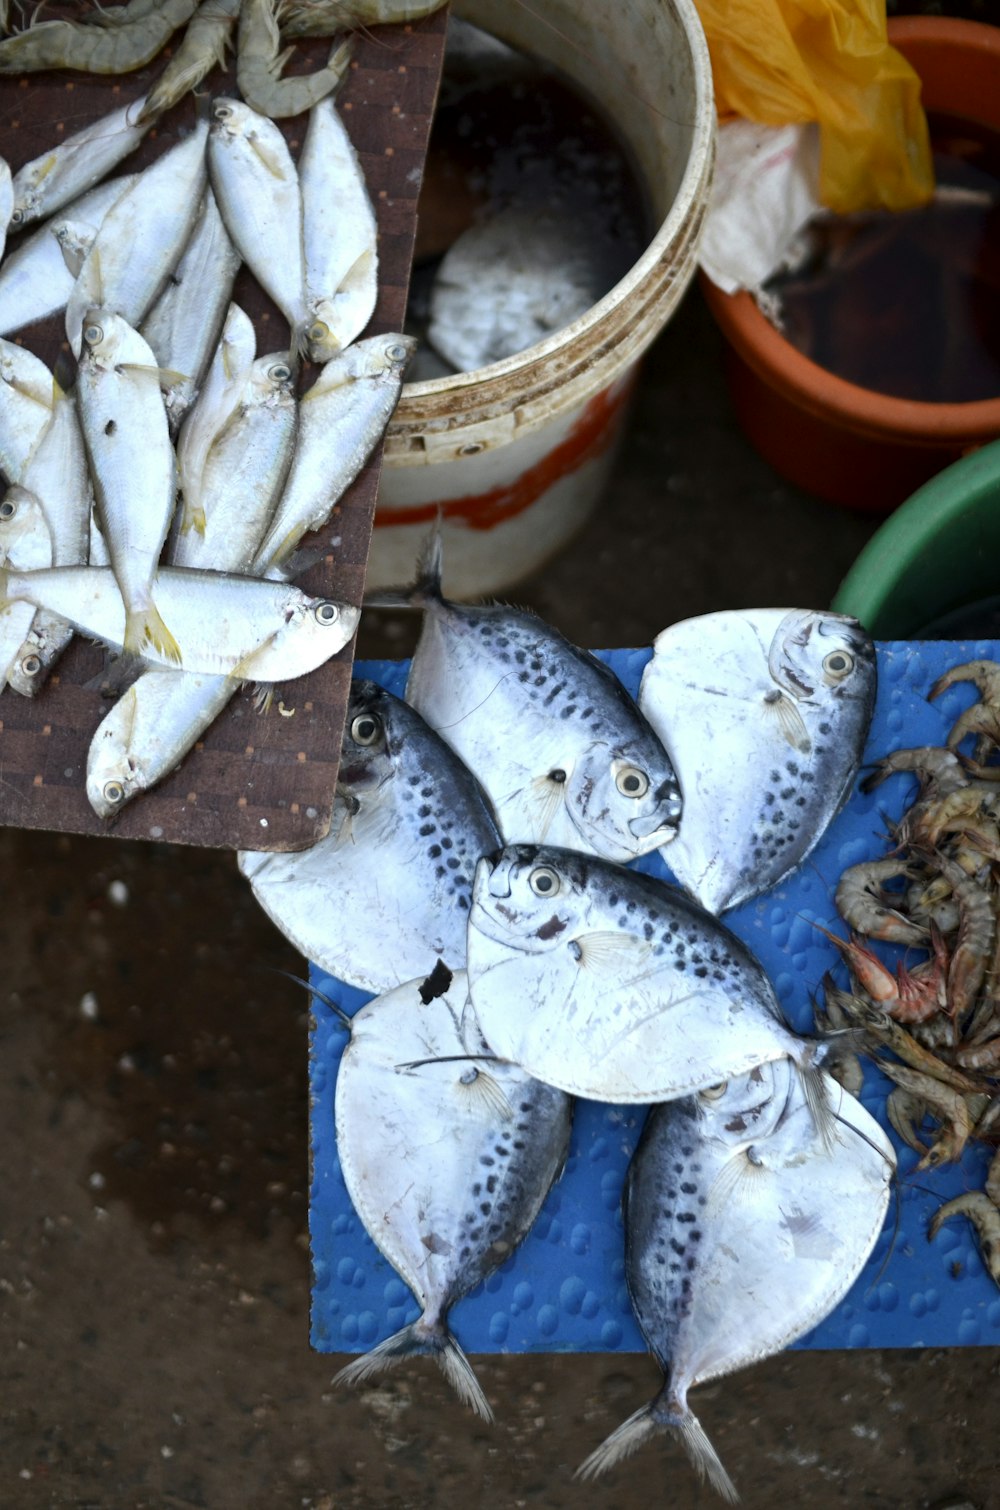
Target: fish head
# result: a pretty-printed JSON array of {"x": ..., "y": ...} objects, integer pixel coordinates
[
  {"x": 530, "y": 897},
  {"x": 113, "y": 772},
  {"x": 272, "y": 380},
  {"x": 322, "y": 626},
  {"x": 750, "y": 1107},
  {"x": 25, "y": 538},
  {"x": 819, "y": 656},
  {"x": 366, "y": 752},
  {"x": 624, "y": 801},
  {"x": 109, "y": 342}
]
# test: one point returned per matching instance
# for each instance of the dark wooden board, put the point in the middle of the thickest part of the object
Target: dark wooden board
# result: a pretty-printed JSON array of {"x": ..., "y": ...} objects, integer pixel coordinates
[{"x": 256, "y": 781}]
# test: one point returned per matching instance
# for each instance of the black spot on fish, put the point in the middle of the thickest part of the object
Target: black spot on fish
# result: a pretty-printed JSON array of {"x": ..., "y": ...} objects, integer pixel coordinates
[
  {"x": 485, "y": 1208},
  {"x": 485, "y": 1159},
  {"x": 434, "y": 851},
  {"x": 737, "y": 1125},
  {"x": 701, "y": 971},
  {"x": 677, "y": 1247},
  {"x": 425, "y": 829},
  {"x": 477, "y": 1188},
  {"x": 791, "y": 768},
  {"x": 554, "y": 926},
  {"x": 424, "y": 810},
  {"x": 824, "y": 728},
  {"x": 688, "y": 1188},
  {"x": 110, "y": 427}
]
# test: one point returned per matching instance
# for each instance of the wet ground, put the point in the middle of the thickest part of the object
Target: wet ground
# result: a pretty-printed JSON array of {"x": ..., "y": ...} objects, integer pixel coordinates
[{"x": 153, "y": 1102}]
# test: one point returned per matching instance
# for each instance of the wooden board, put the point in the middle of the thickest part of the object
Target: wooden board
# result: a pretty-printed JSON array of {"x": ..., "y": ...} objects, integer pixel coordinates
[{"x": 256, "y": 781}]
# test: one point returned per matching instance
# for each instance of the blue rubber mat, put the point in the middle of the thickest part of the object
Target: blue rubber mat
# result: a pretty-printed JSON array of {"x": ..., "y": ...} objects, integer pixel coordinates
[{"x": 564, "y": 1288}]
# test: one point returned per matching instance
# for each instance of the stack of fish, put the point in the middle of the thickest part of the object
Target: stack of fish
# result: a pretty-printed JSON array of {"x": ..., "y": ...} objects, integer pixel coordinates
[
  {"x": 161, "y": 498},
  {"x": 760, "y": 1185}
]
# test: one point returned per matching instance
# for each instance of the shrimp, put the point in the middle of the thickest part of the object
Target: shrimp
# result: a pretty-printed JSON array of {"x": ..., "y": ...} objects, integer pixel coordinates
[
  {"x": 944, "y": 1102},
  {"x": 976, "y": 935},
  {"x": 123, "y": 15},
  {"x": 983, "y": 718},
  {"x": 984, "y": 1216},
  {"x": 259, "y": 65},
  {"x": 203, "y": 47},
  {"x": 861, "y": 902},
  {"x": 322, "y": 18},
  {"x": 843, "y": 1007},
  {"x": 94, "y": 49},
  {"x": 909, "y": 996},
  {"x": 940, "y": 771}
]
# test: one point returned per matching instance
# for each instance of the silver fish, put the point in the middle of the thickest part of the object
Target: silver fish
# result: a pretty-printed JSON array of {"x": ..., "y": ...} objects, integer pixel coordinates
[
  {"x": 141, "y": 238},
  {"x": 562, "y": 750},
  {"x": 613, "y": 985},
  {"x": 25, "y": 543},
  {"x": 342, "y": 417},
  {"x": 764, "y": 713},
  {"x": 37, "y": 278},
  {"x": 744, "y": 1228},
  {"x": 125, "y": 430},
  {"x": 407, "y": 809},
  {"x": 225, "y": 625},
  {"x": 216, "y": 404},
  {"x": 58, "y": 176},
  {"x": 339, "y": 236},
  {"x": 447, "y": 1163},
  {"x": 27, "y": 391},
  {"x": 257, "y": 187},
  {"x": 184, "y": 325}
]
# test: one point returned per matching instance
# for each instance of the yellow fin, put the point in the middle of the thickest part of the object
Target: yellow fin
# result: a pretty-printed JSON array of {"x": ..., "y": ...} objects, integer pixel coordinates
[
  {"x": 145, "y": 627},
  {"x": 781, "y": 707},
  {"x": 243, "y": 671},
  {"x": 163, "y": 375},
  {"x": 482, "y": 1094}
]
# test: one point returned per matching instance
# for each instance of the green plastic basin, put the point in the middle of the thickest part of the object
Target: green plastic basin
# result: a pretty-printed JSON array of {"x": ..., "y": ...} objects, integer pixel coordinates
[{"x": 938, "y": 552}]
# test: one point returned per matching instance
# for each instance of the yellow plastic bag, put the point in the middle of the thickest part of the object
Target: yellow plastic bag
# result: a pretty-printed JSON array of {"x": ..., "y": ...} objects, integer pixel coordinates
[{"x": 783, "y": 61}]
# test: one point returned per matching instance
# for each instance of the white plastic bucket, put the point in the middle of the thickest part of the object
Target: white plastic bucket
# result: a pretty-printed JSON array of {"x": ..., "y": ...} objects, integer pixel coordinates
[{"x": 515, "y": 455}]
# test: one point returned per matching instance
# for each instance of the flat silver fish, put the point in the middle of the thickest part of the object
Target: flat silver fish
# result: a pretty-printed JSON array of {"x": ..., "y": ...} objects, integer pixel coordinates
[
  {"x": 387, "y": 892},
  {"x": 765, "y": 713},
  {"x": 614, "y": 985},
  {"x": 447, "y": 1163},
  {"x": 561, "y": 749},
  {"x": 339, "y": 236},
  {"x": 62, "y": 174},
  {"x": 744, "y": 1228}
]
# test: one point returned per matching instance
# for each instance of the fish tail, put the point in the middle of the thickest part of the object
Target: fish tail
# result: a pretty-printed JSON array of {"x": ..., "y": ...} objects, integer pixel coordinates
[
  {"x": 427, "y": 587},
  {"x": 428, "y": 1338},
  {"x": 143, "y": 627},
  {"x": 662, "y": 1414}
]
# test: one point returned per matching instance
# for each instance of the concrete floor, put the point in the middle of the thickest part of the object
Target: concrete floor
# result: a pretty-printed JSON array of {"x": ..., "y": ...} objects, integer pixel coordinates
[{"x": 153, "y": 1101}]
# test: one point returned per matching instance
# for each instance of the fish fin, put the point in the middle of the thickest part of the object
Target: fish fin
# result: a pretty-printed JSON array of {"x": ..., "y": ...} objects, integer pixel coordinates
[
  {"x": 816, "y": 1097},
  {"x": 193, "y": 518},
  {"x": 243, "y": 670},
  {"x": 428, "y": 1338},
  {"x": 165, "y": 376},
  {"x": 263, "y": 697},
  {"x": 427, "y": 587},
  {"x": 610, "y": 951},
  {"x": 144, "y": 626},
  {"x": 544, "y": 796},
  {"x": 628, "y": 1438},
  {"x": 790, "y": 721},
  {"x": 738, "y": 1182},
  {"x": 273, "y": 164},
  {"x": 485, "y": 1096}
]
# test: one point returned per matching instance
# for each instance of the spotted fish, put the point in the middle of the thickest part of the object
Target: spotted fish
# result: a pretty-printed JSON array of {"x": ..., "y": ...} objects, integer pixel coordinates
[
  {"x": 743, "y": 1229},
  {"x": 765, "y": 714},
  {"x": 615, "y": 986},
  {"x": 387, "y": 892},
  {"x": 560, "y": 747},
  {"x": 447, "y": 1161}
]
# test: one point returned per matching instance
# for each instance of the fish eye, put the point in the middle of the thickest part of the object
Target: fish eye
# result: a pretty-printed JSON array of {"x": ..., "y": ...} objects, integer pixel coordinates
[
  {"x": 114, "y": 792},
  {"x": 17, "y": 217},
  {"x": 326, "y": 613},
  {"x": 714, "y": 1092},
  {"x": 319, "y": 331},
  {"x": 544, "y": 881},
  {"x": 396, "y": 352},
  {"x": 8, "y": 509},
  {"x": 279, "y": 373},
  {"x": 222, "y": 112},
  {"x": 632, "y": 782},
  {"x": 31, "y": 665},
  {"x": 838, "y": 664},
  {"x": 93, "y": 335},
  {"x": 365, "y": 729}
]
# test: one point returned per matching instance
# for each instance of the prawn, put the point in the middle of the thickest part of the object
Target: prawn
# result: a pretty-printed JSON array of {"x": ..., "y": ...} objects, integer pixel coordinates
[
  {"x": 94, "y": 49},
  {"x": 976, "y": 934},
  {"x": 909, "y": 996},
  {"x": 259, "y": 65},
  {"x": 322, "y": 18},
  {"x": 944, "y": 1102},
  {"x": 985, "y": 1218},
  {"x": 940, "y": 771},
  {"x": 860, "y": 901},
  {"x": 843, "y": 1007},
  {"x": 981, "y": 718},
  {"x": 203, "y": 47}
]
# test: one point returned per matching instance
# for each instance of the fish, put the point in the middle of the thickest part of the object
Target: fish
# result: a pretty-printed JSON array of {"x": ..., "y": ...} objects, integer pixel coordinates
[
  {"x": 615, "y": 986},
  {"x": 447, "y": 1161},
  {"x": 563, "y": 752},
  {"x": 743, "y": 1230},
  {"x": 125, "y": 430},
  {"x": 215, "y": 406},
  {"x": 765, "y": 713},
  {"x": 387, "y": 892},
  {"x": 25, "y": 542},
  {"x": 6, "y": 201},
  {"x": 27, "y": 390},
  {"x": 225, "y": 625},
  {"x": 142, "y": 238},
  {"x": 339, "y": 236},
  {"x": 63, "y": 173},
  {"x": 257, "y": 187},
  {"x": 342, "y": 418},
  {"x": 184, "y": 325}
]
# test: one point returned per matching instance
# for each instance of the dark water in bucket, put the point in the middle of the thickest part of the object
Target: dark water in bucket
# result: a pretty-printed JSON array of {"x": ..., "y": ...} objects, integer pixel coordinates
[{"x": 908, "y": 304}]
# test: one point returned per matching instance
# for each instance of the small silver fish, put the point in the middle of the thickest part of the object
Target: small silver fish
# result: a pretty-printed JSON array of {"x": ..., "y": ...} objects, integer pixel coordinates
[
  {"x": 62, "y": 174},
  {"x": 765, "y": 714},
  {"x": 561, "y": 749},
  {"x": 744, "y": 1228},
  {"x": 447, "y": 1162},
  {"x": 613, "y": 985},
  {"x": 339, "y": 236},
  {"x": 387, "y": 892}
]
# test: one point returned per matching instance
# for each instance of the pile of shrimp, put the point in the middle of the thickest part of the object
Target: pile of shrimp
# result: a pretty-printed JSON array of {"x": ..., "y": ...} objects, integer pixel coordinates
[
  {"x": 120, "y": 38},
  {"x": 938, "y": 890}
]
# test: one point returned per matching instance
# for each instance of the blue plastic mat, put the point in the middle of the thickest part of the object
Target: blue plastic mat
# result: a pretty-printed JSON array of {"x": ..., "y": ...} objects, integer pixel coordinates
[{"x": 564, "y": 1288}]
